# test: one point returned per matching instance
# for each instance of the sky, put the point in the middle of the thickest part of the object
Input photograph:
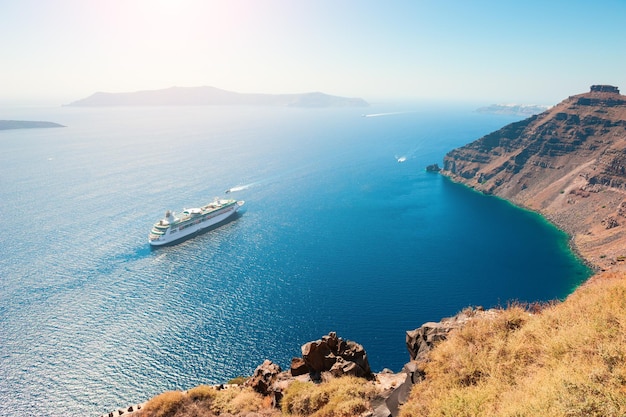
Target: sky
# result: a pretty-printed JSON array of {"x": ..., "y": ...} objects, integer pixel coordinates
[{"x": 492, "y": 51}]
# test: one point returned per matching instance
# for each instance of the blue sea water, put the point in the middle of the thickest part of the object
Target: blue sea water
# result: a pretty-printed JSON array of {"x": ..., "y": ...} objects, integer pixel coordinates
[{"x": 336, "y": 235}]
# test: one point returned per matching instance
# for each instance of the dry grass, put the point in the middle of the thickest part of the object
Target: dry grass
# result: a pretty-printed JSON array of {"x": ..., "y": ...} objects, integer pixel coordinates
[
  {"x": 166, "y": 404},
  {"x": 235, "y": 401},
  {"x": 205, "y": 401},
  {"x": 341, "y": 397},
  {"x": 567, "y": 360},
  {"x": 202, "y": 393}
]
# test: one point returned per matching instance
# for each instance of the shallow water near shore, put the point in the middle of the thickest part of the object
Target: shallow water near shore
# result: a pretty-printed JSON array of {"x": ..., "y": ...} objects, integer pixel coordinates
[{"x": 335, "y": 235}]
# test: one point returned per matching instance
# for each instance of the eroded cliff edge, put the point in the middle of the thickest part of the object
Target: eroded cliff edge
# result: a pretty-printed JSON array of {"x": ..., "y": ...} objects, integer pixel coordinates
[{"x": 567, "y": 163}]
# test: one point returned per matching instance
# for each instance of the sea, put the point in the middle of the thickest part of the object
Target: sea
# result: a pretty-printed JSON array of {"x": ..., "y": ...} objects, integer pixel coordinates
[{"x": 342, "y": 230}]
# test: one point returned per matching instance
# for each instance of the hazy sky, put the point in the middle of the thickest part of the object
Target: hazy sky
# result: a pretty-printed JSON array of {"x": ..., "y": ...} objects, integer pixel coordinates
[{"x": 523, "y": 51}]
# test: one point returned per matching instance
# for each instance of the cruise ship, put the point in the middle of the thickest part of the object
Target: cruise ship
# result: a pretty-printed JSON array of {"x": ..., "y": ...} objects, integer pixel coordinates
[{"x": 173, "y": 228}]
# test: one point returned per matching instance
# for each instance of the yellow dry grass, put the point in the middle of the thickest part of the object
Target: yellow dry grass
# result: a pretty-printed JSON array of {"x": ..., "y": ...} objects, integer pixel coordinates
[
  {"x": 341, "y": 397},
  {"x": 205, "y": 401},
  {"x": 166, "y": 404},
  {"x": 567, "y": 360}
]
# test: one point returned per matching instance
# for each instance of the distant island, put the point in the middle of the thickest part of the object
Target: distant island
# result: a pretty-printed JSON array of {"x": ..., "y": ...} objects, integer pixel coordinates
[
  {"x": 202, "y": 96},
  {"x": 24, "y": 124},
  {"x": 513, "y": 109}
]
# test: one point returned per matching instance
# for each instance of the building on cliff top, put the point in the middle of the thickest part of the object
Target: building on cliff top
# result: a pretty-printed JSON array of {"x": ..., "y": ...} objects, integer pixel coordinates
[{"x": 604, "y": 89}]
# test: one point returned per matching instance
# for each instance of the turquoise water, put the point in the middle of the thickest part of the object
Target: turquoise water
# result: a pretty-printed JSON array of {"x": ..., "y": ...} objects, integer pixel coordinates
[{"x": 336, "y": 235}]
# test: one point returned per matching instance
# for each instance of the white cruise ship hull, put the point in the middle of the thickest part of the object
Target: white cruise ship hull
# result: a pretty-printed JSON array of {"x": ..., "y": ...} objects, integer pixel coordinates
[{"x": 178, "y": 232}]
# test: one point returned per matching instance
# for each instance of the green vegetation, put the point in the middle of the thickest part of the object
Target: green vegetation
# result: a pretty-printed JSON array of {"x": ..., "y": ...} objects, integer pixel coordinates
[{"x": 240, "y": 380}]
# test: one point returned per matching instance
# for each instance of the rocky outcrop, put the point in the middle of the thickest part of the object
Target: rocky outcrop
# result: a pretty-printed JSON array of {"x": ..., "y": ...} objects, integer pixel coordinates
[
  {"x": 263, "y": 377},
  {"x": 568, "y": 163},
  {"x": 332, "y": 357},
  {"x": 420, "y": 342},
  {"x": 131, "y": 411},
  {"x": 337, "y": 356},
  {"x": 298, "y": 367},
  {"x": 433, "y": 168}
]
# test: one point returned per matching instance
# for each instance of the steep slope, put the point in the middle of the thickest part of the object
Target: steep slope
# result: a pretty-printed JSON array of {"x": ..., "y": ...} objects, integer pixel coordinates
[
  {"x": 564, "y": 359},
  {"x": 568, "y": 163}
]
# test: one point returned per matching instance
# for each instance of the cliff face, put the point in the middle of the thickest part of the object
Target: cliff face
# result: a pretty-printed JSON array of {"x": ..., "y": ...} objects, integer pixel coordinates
[{"x": 568, "y": 163}]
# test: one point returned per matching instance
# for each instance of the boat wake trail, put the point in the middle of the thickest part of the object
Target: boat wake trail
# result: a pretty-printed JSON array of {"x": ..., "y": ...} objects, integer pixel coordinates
[
  {"x": 411, "y": 154},
  {"x": 240, "y": 188},
  {"x": 279, "y": 176},
  {"x": 387, "y": 114}
]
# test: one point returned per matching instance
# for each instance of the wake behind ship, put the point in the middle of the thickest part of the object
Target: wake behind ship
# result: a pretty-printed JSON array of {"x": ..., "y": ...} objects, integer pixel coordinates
[{"x": 172, "y": 229}]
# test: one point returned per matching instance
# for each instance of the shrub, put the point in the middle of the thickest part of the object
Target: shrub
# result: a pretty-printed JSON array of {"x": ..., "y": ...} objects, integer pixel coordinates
[
  {"x": 164, "y": 405},
  {"x": 339, "y": 397},
  {"x": 303, "y": 398},
  {"x": 202, "y": 393},
  {"x": 240, "y": 380},
  {"x": 203, "y": 401},
  {"x": 236, "y": 400}
]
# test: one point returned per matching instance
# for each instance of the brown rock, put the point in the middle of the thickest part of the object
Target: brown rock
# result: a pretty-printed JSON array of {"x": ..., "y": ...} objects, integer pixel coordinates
[
  {"x": 420, "y": 342},
  {"x": 610, "y": 222},
  {"x": 298, "y": 367},
  {"x": 263, "y": 378},
  {"x": 350, "y": 357}
]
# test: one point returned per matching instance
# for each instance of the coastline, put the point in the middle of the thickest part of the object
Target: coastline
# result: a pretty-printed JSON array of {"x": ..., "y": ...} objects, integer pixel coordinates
[
  {"x": 446, "y": 324},
  {"x": 566, "y": 164},
  {"x": 568, "y": 228}
]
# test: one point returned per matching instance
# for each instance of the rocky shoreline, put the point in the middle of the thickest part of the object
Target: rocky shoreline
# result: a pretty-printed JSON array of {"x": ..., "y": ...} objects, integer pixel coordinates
[
  {"x": 566, "y": 224},
  {"x": 333, "y": 357},
  {"x": 322, "y": 360},
  {"x": 567, "y": 164}
]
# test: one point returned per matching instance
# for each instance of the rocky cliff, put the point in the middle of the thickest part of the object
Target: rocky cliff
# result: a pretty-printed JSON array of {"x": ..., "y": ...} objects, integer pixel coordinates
[{"x": 568, "y": 163}]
